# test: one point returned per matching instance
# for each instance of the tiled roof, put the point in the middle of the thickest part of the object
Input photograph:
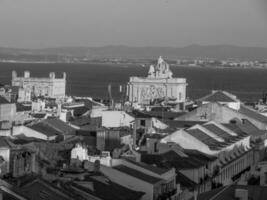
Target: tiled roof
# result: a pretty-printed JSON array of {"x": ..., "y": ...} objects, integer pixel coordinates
[
  {"x": 3, "y": 100},
  {"x": 47, "y": 130},
  {"x": 193, "y": 160},
  {"x": 182, "y": 124},
  {"x": 6, "y": 195},
  {"x": 218, "y": 96},
  {"x": 252, "y": 114},
  {"x": 228, "y": 192},
  {"x": 216, "y": 130},
  {"x": 41, "y": 189},
  {"x": 52, "y": 127},
  {"x": 221, "y": 133},
  {"x": 59, "y": 125},
  {"x": 235, "y": 128},
  {"x": 108, "y": 190},
  {"x": 154, "y": 169},
  {"x": 199, "y": 155},
  {"x": 170, "y": 159},
  {"x": 206, "y": 139},
  {"x": 250, "y": 128},
  {"x": 4, "y": 143},
  {"x": 138, "y": 174},
  {"x": 81, "y": 121},
  {"x": 80, "y": 111}
]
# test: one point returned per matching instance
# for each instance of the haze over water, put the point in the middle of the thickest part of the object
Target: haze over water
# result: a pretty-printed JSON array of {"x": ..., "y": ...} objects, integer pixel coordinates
[{"x": 93, "y": 79}]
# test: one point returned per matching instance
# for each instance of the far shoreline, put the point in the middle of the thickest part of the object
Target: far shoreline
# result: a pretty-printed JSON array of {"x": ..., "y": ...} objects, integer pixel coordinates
[{"x": 137, "y": 64}]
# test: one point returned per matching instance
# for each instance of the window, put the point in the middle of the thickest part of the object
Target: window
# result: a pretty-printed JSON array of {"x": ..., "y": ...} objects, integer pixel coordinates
[
  {"x": 155, "y": 147},
  {"x": 180, "y": 96},
  {"x": 143, "y": 122}
]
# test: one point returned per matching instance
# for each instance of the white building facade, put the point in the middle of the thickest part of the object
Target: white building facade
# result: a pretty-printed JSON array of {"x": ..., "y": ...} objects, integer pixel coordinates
[
  {"x": 159, "y": 84},
  {"x": 48, "y": 87}
]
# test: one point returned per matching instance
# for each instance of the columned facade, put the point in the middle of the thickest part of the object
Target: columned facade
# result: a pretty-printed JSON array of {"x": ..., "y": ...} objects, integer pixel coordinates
[{"x": 159, "y": 84}]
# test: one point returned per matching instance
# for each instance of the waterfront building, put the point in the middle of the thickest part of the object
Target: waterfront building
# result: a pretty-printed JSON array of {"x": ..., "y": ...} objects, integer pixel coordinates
[
  {"x": 48, "y": 87},
  {"x": 159, "y": 84}
]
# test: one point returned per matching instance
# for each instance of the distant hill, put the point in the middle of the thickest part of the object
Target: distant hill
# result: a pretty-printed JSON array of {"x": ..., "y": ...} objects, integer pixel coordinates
[{"x": 124, "y": 52}]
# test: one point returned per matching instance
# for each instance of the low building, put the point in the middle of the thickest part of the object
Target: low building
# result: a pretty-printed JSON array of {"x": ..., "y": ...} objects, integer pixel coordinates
[
  {"x": 228, "y": 142},
  {"x": 156, "y": 183},
  {"x": 107, "y": 139},
  {"x": 113, "y": 119},
  {"x": 233, "y": 192}
]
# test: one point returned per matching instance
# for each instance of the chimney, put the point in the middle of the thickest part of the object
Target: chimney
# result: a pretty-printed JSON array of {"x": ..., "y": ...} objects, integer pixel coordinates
[
  {"x": 26, "y": 74},
  {"x": 64, "y": 75},
  {"x": 241, "y": 194}
]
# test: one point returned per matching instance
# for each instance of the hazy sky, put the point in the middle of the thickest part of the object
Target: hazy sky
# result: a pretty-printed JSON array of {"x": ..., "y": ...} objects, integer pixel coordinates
[{"x": 177, "y": 23}]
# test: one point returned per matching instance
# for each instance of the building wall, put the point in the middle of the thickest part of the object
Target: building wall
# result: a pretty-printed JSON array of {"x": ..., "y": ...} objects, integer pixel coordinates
[
  {"x": 107, "y": 140},
  {"x": 235, "y": 167},
  {"x": 5, "y": 153},
  {"x": 129, "y": 182},
  {"x": 116, "y": 119},
  {"x": 22, "y": 162},
  {"x": 7, "y": 112},
  {"x": 142, "y": 90},
  {"x": 50, "y": 87},
  {"x": 24, "y": 95}
]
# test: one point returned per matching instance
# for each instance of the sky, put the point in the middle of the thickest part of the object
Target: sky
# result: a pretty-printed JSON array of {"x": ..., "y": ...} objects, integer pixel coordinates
[{"x": 174, "y": 23}]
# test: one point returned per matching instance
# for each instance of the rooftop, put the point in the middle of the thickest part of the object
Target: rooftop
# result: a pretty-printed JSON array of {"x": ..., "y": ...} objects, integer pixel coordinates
[
  {"x": 4, "y": 143},
  {"x": 137, "y": 174},
  {"x": 3, "y": 100},
  {"x": 223, "y": 193},
  {"x": 219, "y": 96},
  {"x": 52, "y": 127},
  {"x": 105, "y": 189},
  {"x": 252, "y": 114},
  {"x": 154, "y": 169},
  {"x": 46, "y": 130},
  {"x": 206, "y": 139},
  {"x": 193, "y": 160}
]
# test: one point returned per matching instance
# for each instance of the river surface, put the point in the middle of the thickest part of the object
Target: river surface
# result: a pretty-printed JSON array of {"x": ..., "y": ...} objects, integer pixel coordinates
[{"x": 93, "y": 79}]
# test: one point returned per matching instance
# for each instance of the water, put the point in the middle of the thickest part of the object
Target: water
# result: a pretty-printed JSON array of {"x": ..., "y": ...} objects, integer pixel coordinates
[{"x": 93, "y": 79}]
